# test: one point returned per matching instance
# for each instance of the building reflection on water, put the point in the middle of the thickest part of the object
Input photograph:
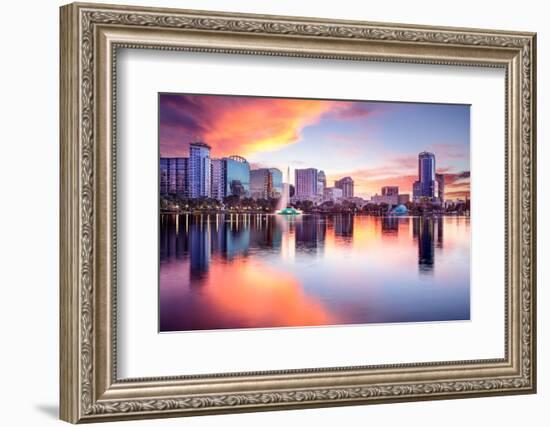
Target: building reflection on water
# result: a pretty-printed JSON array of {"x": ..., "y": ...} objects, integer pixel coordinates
[
  {"x": 200, "y": 237},
  {"x": 255, "y": 270},
  {"x": 428, "y": 231},
  {"x": 390, "y": 225},
  {"x": 343, "y": 227},
  {"x": 310, "y": 235}
]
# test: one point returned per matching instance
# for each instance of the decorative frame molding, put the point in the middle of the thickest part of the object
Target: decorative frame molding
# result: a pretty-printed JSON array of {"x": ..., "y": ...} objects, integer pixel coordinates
[{"x": 90, "y": 37}]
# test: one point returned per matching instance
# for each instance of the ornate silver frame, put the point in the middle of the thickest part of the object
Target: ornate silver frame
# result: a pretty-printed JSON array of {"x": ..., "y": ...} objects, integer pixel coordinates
[{"x": 90, "y": 36}]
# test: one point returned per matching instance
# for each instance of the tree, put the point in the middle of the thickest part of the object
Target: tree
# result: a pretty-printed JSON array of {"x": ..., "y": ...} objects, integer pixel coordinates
[
  {"x": 231, "y": 201},
  {"x": 349, "y": 206}
]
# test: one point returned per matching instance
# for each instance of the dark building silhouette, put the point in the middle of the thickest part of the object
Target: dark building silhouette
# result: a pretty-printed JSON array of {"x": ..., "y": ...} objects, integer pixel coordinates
[
  {"x": 390, "y": 225},
  {"x": 425, "y": 186},
  {"x": 439, "y": 239},
  {"x": 264, "y": 233},
  {"x": 426, "y": 249},
  {"x": 440, "y": 180},
  {"x": 199, "y": 248},
  {"x": 172, "y": 237},
  {"x": 343, "y": 226},
  {"x": 310, "y": 234}
]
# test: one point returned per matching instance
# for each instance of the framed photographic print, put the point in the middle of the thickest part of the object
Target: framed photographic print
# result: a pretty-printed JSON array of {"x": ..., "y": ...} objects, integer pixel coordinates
[{"x": 264, "y": 212}]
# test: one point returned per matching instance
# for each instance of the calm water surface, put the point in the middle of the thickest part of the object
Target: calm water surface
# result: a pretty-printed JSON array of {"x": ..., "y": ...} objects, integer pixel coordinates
[{"x": 256, "y": 271}]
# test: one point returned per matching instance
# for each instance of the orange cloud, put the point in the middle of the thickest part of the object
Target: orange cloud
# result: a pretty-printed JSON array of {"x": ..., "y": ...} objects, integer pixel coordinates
[
  {"x": 242, "y": 124},
  {"x": 457, "y": 186},
  {"x": 262, "y": 126},
  {"x": 236, "y": 125}
]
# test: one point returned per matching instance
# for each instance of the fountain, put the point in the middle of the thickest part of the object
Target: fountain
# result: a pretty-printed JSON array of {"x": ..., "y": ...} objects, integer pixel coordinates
[
  {"x": 399, "y": 210},
  {"x": 284, "y": 207}
]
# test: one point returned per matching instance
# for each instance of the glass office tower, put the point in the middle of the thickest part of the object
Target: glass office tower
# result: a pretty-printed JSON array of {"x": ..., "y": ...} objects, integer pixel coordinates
[
  {"x": 199, "y": 170},
  {"x": 237, "y": 176},
  {"x": 426, "y": 174}
]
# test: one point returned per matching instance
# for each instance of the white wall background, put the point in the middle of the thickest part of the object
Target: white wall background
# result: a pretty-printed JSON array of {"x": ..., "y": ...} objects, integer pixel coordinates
[{"x": 29, "y": 170}]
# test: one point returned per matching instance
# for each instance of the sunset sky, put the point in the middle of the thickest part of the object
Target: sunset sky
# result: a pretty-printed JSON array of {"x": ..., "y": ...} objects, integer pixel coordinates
[{"x": 376, "y": 143}]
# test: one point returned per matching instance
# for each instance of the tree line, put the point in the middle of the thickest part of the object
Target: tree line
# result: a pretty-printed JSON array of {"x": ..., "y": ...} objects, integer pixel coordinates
[{"x": 177, "y": 203}]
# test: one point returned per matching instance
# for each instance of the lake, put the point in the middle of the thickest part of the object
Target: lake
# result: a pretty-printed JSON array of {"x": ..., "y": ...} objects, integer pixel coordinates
[{"x": 230, "y": 271}]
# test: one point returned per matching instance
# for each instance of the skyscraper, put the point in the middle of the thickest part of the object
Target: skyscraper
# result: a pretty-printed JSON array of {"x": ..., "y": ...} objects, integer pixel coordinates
[
  {"x": 236, "y": 176},
  {"x": 201, "y": 176},
  {"x": 332, "y": 194},
  {"x": 261, "y": 183},
  {"x": 277, "y": 188},
  {"x": 346, "y": 185},
  {"x": 416, "y": 191},
  {"x": 390, "y": 195},
  {"x": 390, "y": 190},
  {"x": 306, "y": 183},
  {"x": 217, "y": 187},
  {"x": 426, "y": 174},
  {"x": 440, "y": 179},
  {"x": 173, "y": 175},
  {"x": 321, "y": 183},
  {"x": 199, "y": 170}
]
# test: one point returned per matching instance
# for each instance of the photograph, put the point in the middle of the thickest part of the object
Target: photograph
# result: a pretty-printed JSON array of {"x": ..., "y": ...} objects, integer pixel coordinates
[{"x": 286, "y": 212}]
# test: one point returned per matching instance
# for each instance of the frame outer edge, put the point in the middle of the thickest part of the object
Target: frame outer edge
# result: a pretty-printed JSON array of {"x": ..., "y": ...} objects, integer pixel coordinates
[
  {"x": 77, "y": 226},
  {"x": 533, "y": 219},
  {"x": 69, "y": 354}
]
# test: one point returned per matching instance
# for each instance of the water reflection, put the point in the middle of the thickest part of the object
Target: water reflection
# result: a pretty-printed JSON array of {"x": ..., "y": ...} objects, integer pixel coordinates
[
  {"x": 343, "y": 228},
  {"x": 240, "y": 271},
  {"x": 390, "y": 225},
  {"x": 310, "y": 235}
]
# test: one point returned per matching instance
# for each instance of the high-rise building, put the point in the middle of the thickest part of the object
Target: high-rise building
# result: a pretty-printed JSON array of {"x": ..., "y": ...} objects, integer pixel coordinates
[
  {"x": 199, "y": 170},
  {"x": 426, "y": 174},
  {"x": 321, "y": 182},
  {"x": 236, "y": 176},
  {"x": 440, "y": 180},
  {"x": 201, "y": 176},
  {"x": 417, "y": 193},
  {"x": 306, "y": 183},
  {"x": 332, "y": 194},
  {"x": 217, "y": 187},
  {"x": 261, "y": 183},
  {"x": 390, "y": 190},
  {"x": 346, "y": 185},
  {"x": 173, "y": 175},
  {"x": 390, "y": 195},
  {"x": 277, "y": 188}
]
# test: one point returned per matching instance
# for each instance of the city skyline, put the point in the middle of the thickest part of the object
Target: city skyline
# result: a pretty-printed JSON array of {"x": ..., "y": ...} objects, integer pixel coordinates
[
  {"x": 200, "y": 176},
  {"x": 375, "y": 143}
]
